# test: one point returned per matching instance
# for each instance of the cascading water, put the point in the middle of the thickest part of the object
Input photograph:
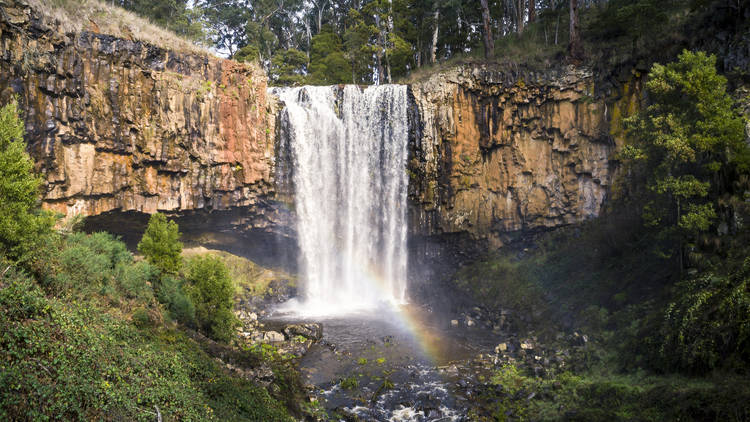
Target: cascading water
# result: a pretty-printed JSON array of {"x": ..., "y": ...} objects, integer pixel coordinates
[{"x": 348, "y": 148}]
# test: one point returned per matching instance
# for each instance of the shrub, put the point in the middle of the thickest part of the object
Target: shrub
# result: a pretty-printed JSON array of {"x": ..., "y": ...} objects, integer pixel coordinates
[
  {"x": 169, "y": 291},
  {"x": 23, "y": 226},
  {"x": 211, "y": 291},
  {"x": 161, "y": 244},
  {"x": 141, "y": 319},
  {"x": 81, "y": 270},
  {"x": 133, "y": 280},
  {"x": 708, "y": 324},
  {"x": 103, "y": 243}
]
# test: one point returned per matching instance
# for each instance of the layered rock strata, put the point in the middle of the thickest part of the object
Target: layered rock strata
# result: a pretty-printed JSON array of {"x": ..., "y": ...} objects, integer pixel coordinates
[
  {"x": 502, "y": 151},
  {"x": 116, "y": 124}
]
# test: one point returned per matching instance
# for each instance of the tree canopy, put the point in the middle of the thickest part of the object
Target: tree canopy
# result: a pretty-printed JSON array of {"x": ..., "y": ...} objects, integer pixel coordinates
[{"x": 686, "y": 147}]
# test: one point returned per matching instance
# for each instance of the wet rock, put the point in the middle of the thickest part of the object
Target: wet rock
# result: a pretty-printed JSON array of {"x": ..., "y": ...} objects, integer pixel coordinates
[
  {"x": 311, "y": 331},
  {"x": 280, "y": 291},
  {"x": 273, "y": 337}
]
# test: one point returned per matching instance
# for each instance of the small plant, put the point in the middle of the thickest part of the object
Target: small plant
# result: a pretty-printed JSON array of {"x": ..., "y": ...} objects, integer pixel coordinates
[
  {"x": 362, "y": 361},
  {"x": 350, "y": 383}
]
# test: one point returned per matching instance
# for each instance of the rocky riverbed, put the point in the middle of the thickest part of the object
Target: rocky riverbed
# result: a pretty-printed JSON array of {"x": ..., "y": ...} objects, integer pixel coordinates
[{"x": 411, "y": 363}]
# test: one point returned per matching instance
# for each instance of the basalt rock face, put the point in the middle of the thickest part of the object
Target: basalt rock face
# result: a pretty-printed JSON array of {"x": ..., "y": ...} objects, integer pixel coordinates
[
  {"x": 503, "y": 152},
  {"x": 120, "y": 125}
]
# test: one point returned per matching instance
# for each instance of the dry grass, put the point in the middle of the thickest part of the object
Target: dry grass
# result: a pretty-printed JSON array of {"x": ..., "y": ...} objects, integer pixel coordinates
[{"x": 98, "y": 16}]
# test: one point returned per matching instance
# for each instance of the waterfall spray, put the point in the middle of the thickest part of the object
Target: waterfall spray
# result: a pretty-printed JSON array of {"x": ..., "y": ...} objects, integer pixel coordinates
[{"x": 348, "y": 149}]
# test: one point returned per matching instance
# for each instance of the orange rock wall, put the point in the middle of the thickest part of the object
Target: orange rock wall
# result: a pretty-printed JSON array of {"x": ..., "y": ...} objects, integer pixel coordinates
[
  {"x": 121, "y": 125},
  {"x": 503, "y": 152}
]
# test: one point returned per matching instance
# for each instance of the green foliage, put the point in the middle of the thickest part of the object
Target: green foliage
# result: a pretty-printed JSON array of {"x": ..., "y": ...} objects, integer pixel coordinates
[
  {"x": 328, "y": 64},
  {"x": 23, "y": 228},
  {"x": 211, "y": 290},
  {"x": 708, "y": 324},
  {"x": 99, "y": 264},
  {"x": 239, "y": 400},
  {"x": 169, "y": 291},
  {"x": 75, "y": 361},
  {"x": 597, "y": 397},
  {"x": 350, "y": 383},
  {"x": 288, "y": 67},
  {"x": 161, "y": 244},
  {"x": 686, "y": 147},
  {"x": 174, "y": 15},
  {"x": 74, "y": 354}
]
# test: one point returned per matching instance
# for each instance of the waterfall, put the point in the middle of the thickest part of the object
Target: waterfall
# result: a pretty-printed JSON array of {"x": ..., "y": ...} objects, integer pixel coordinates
[{"x": 348, "y": 149}]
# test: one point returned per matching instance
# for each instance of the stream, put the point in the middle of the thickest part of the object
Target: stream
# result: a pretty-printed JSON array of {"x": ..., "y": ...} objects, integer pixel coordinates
[{"x": 403, "y": 364}]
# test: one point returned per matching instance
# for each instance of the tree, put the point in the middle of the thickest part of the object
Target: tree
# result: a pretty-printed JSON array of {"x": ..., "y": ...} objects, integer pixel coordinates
[
  {"x": 211, "y": 291},
  {"x": 23, "y": 226},
  {"x": 174, "y": 15},
  {"x": 328, "y": 64},
  {"x": 686, "y": 148},
  {"x": 288, "y": 67},
  {"x": 161, "y": 244},
  {"x": 575, "y": 46},
  {"x": 489, "y": 43}
]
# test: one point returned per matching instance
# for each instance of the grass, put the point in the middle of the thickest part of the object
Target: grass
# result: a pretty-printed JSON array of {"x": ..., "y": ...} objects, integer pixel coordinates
[
  {"x": 98, "y": 16},
  {"x": 248, "y": 276}
]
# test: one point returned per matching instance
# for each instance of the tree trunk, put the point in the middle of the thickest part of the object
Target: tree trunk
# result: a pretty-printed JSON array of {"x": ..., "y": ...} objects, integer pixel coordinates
[
  {"x": 520, "y": 9},
  {"x": 379, "y": 53},
  {"x": 387, "y": 40},
  {"x": 557, "y": 27},
  {"x": 575, "y": 49},
  {"x": 532, "y": 11},
  {"x": 489, "y": 43},
  {"x": 433, "y": 47}
]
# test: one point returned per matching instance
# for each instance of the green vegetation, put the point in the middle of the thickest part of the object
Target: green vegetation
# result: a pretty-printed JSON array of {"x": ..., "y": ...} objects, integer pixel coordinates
[
  {"x": 211, "y": 291},
  {"x": 84, "y": 336},
  {"x": 350, "y": 383},
  {"x": 22, "y": 226},
  {"x": 659, "y": 283},
  {"x": 685, "y": 149},
  {"x": 597, "y": 397},
  {"x": 161, "y": 244}
]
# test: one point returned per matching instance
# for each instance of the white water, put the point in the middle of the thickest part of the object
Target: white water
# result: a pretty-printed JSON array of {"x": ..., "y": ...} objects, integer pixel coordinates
[{"x": 348, "y": 150}]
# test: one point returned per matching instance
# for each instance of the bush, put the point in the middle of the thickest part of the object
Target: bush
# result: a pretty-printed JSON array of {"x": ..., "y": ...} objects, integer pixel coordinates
[
  {"x": 161, "y": 244},
  {"x": 708, "y": 324},
  {"x": 169, "y": 291},
  {"x": 133, "y": 280},
  {"x": 23, "y": 227},
  {"x": 82, "y": 270},
  {"x": 99, "y": 264},
  {"x": 211, "y": 291}
]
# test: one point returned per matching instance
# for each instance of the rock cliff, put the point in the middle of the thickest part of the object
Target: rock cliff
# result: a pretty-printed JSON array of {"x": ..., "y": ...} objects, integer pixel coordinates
[
  {"x": 503, "y": 150},
  {"x": 117, "y": 124}
]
